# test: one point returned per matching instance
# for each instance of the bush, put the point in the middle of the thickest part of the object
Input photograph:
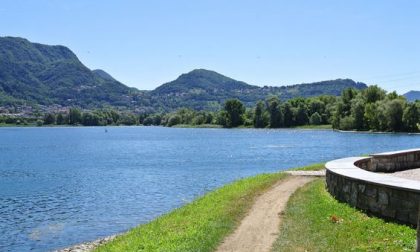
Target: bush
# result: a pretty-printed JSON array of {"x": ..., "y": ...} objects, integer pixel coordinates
[
  {"x": 347, "y": 123},
  {"x": 315, "y": 119},
  {"x": 39, "y": 123},
  {"x": 173, "y": 120}
]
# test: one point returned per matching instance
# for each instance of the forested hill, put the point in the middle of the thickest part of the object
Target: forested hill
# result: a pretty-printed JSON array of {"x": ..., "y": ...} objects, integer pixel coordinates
[
  {"x": 34, "y": 73},
  {"x": 412, "y": 95},
  {"x": 44, "y": 74},
  {"x": 204, "y": 89}
]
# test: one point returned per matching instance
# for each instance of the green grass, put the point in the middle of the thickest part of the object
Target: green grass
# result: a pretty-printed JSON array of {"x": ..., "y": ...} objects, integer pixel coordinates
[
  {"x": 17, "y": 125},
  {"x": 197, "y": 126},
  {"x": 324, "y": 126},
  {"x": 313, "y": 167},
  {"x": 314, "y": 221},
  {"x": 200, "y": 225}
]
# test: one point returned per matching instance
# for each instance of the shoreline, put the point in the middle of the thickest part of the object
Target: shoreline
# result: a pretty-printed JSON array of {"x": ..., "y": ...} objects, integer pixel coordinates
[
  {"x": 89, "y": 245},
  {"x": 375, "y": 132},
  {"x": 214, "y": 126},
  {"x": 92, "y": 245}
]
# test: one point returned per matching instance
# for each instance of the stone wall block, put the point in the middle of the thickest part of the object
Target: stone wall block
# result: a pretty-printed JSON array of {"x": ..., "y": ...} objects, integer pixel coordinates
[
  {"x": 384, "y": 200},
  {"x": 383, "y": 197},
  {"x": 413, "y": 217},
  {"x": 353, "y": 194},
  {"x": 371, "y": 191},
  {"x": 388, "y": 212},
  {"x": 403, "y": 216}
]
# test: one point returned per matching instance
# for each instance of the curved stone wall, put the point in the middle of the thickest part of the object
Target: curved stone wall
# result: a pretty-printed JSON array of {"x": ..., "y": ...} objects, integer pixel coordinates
[{"x": 351, "y": 180}]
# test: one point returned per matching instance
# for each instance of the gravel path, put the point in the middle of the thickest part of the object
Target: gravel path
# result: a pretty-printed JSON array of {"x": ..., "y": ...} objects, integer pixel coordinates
[
  {"x": 259, "y": 229},
  {"x": 413, "y": 174}
]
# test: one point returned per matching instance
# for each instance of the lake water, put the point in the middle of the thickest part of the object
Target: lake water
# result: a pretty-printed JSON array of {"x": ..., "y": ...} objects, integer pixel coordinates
[{"x": 61, "y": 186}]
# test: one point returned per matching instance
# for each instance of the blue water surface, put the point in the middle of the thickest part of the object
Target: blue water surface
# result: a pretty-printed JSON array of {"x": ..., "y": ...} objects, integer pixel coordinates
[{"x": 62, "y": 186}]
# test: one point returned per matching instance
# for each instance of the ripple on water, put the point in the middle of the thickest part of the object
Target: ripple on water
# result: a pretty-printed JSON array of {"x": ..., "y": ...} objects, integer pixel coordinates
[{"x": 62, "y": 186}]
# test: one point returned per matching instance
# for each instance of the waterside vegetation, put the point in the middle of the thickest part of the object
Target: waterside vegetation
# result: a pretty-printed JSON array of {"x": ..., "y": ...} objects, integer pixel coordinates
[
  {"x": 371, "y": 109},
  {"x": 315, "y": 221},
  {"x": 200, "y": 225}
]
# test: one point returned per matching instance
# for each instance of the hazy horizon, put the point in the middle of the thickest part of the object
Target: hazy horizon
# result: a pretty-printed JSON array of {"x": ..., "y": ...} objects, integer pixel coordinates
[{"x": 144, "y": 45}]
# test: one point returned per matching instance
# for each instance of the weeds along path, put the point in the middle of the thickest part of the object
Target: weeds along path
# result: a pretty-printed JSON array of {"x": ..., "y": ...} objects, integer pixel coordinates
[{"x": 259, "y": 229}]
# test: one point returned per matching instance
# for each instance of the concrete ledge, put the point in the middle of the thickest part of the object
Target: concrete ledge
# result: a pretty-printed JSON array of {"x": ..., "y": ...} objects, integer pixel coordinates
[{"x": 380, "y": 194}]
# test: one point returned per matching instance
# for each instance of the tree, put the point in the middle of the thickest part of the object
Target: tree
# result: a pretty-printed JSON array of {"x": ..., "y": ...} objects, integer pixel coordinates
[
  {"x": 89, "y": 119},
  {"x": 259, "y": 115},
  {"x": 371, "y": 116},
  {"x": 147, "y": 121},
  {"x": 381, "y": 115},
  {"x": 128, "y": 119},
  {"x": 186, "y": 115},
  {"x": 248, "y": 117},
  {"x": 346, "y": 96},
  {"x": 392, "y": 96},
  {"x": 316, "y": 105},
  {"x": 337, "y": 114},
  {"x": 315, "y": 119},
  {"x": 301, "y": 116},
  {"x": 373, "y": 94},
  {"x": 394, "y": 113},
  {"x": 75, "y": 116},
  {"x": 174, "y": 120},
  {"x": 221, "y": 118},
  {"x": 347, "y": 123},
  {"x": 287, "y": 114},
  {"x": 49, "y": 119},
  {"x": 358, "y": 112},
  {"x": 60, "y": 119},
  {"x": 199, "y": 119},
  {"x": 411, "y": 118},
  {"x": 276, "y": 115},
  {"x": 234, "y": 111}
]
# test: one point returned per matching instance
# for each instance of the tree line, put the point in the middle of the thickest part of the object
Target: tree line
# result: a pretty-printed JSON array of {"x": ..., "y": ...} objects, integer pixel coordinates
[{"x": 369, "y": 109}]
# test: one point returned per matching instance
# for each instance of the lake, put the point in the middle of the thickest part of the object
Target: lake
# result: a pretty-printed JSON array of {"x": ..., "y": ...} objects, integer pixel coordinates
[{"x": 62, "y": 186}]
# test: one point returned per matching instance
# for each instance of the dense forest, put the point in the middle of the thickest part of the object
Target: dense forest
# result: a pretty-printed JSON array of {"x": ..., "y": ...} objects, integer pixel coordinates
[
  {"x": 371, "y": 109},
  {"x": 35, "y": 74}
]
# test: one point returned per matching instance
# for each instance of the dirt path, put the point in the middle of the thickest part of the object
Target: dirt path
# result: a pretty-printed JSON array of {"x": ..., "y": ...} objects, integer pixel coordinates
[{"x": 259, "y": 229}]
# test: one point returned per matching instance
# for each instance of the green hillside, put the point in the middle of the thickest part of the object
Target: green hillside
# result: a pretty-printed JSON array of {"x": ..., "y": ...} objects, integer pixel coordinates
[
  {"x": 33, "y": 73},
  {"x": 204, "y": 89},
  {"x": 47, "y": 75}
]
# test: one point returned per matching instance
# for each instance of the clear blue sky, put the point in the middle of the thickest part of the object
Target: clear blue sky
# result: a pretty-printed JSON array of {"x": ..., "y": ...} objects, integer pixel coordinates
[{"x": 146, "y": 43}]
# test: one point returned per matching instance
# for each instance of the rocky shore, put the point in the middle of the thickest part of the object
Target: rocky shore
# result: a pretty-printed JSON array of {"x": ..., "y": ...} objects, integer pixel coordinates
[{"x": 87, "y": 246}]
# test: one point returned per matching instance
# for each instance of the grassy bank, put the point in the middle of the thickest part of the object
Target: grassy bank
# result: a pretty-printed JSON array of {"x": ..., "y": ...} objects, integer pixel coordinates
[
  {"x": 324, "y": 126},
  {"x": 314, "y": 221},
  {"x": 197, "y": 126},
  {"x": 17, "y": 125},
  {"x": 200, "y": 225},
  {"x": 312, "y": 167}
]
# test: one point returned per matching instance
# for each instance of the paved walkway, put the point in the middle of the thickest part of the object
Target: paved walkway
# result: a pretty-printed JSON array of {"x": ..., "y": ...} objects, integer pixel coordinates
[
  {"x": 412, "y": 174},
  {"x": 259, "y": 229},
  {"x": 320, "y": 173}
]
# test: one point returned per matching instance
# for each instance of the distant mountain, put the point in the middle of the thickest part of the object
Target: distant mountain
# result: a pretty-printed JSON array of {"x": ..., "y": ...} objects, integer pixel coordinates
[
  {"x": 103, "y": 75},
  {"x": 204, "y": 89},
  {"x": 34, "y": 73},
  {"x": 201, "y": 79},
  {"x": 44, "y": 74},
  {"x": 412, "y": 95}
]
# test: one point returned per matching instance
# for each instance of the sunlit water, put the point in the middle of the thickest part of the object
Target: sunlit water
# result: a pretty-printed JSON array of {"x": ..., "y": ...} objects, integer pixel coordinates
[{"x": 61, "y": 186}]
